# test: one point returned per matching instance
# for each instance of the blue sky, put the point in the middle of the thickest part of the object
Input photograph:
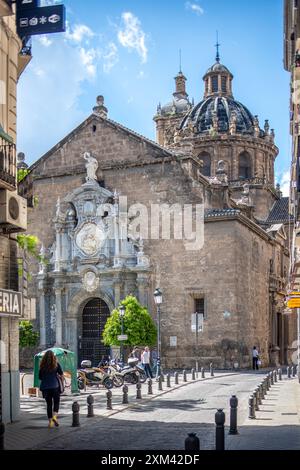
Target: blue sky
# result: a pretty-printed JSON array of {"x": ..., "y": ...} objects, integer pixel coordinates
[{"x": 127, "y": 50}]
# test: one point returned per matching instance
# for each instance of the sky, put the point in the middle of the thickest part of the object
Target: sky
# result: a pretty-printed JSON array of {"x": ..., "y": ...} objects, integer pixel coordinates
[{"x": 128, "y": 51}]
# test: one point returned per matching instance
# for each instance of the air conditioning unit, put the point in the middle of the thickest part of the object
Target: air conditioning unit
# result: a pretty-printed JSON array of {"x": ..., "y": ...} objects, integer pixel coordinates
[{"x": 13, "y": 211}]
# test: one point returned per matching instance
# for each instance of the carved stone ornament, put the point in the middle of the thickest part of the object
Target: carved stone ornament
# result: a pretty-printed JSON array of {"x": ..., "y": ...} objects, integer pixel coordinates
[
  {"x": 90, "y": 281},
  {"x": 90, "y": 238}
]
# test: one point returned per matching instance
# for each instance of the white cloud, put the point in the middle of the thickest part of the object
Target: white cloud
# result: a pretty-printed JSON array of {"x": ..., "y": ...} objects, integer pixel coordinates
[
  {"x": 45, "y": 41},
  {"x": 194, "y": 7},
  {"x": 131, "y": 35},
  {"x": 110, "y": 57},
  {"x": 284, "y": 181},
  {"x": 88, "y": 59},
  {"x": 79, "y": 33}
]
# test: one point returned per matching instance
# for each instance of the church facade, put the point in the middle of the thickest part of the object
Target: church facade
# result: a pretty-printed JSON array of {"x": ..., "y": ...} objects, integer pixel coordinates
[{"x": 212, "y": 155}]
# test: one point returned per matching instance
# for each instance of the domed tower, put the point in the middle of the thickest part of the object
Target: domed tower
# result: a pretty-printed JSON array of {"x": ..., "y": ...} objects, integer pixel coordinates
[
  {"x": 222, "y": 128},
  {"x": 169, "y": 117}
]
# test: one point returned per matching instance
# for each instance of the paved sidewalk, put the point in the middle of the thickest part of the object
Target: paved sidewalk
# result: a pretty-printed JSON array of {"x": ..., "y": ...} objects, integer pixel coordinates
[
  {"x": 31, "y": 430},
  {"x": 277, "y": 423}
]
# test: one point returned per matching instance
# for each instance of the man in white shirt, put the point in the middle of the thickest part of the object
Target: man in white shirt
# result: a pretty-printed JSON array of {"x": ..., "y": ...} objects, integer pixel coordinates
[
  {"x": 146, "y": 362},
  {"x": 255, "y": 357}
]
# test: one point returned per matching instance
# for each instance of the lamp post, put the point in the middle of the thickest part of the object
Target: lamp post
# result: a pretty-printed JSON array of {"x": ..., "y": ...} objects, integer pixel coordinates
[
  {"x": 121, "y": 314},
  {"x": 158, "y": 302}
]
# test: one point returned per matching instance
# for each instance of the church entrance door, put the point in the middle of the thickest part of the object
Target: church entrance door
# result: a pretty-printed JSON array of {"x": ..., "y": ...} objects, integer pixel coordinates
[{"x": 94, "y": 316}]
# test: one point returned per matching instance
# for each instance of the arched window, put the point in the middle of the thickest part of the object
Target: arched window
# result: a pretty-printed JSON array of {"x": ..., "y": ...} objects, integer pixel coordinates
[
  {"x": 245, "y": 166},
  {"x": 206, "y": 169},
  {"x": 215, "y": 84}
]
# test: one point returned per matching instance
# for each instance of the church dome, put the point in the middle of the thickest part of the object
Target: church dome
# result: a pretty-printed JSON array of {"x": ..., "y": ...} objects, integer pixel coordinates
[
  {"x": 223, "y": 109},
  {"x": 179, "y": 105}
]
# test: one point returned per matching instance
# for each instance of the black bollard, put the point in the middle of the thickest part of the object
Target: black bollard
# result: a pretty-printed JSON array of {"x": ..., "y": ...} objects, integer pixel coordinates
[
  {"x": 272, "y": 377},
  {"x": 220, "y": 434},
  {"x": 280, "y": 374},
  {"x": 176, "y": 376},
  {"x": 125, "y": 395},
  {"x": 251, "y": 407},
  {"x": 192, "y": 442},
  {"x": 193, "y": 374},
  {"x": 288, "y": 371},
  {"x": 259, "y": 391},
  {"x": 150, "y": 391},
  {"x": 138, "y": 391},
  {"x": 275, "y": 376},
  {"x": 90, "y": 403},
  {"x": 256, "y": 399},
  {"x": 184, "y": 376},
  {"x": 75, "y": 417},
  {"x": 162, "y": 377},
  {"x": 160, "y": 387},
  {"x": 233, "y": 414},
  {"x": 294, "y": 371},
  {"x": 2, "y": 433},
  {"x": 109, "y": 400},
  {"x": 268, "y": 382},
  {"x": 202, "y": 373},
  {"x": 211, "y": 368},
  {"x": 168, "y": 380}
]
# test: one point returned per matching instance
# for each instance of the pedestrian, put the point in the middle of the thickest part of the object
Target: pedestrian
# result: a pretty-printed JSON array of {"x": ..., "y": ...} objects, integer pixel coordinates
[
  {"x": 255, "y": 357},
  {"x": 146, "y": 362},
  {"x": 49, "y": 374}
]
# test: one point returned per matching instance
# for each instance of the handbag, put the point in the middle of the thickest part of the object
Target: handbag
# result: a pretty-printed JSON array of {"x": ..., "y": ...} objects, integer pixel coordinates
[{"x": 61, "y": 383}]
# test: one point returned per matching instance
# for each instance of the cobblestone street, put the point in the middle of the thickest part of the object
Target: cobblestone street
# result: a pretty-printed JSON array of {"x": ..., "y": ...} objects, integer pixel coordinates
[{"x": 164, "y": 421}]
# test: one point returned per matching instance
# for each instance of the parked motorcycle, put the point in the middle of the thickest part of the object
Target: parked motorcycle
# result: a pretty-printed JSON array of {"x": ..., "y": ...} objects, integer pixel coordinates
[
  {"x": 89, "y": 376},
  {"x": 132, "y": 372}
]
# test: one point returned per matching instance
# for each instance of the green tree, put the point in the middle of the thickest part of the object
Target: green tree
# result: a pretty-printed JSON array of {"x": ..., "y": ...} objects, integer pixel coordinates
[
  {"x": 138, "y": 325},
  {"x": 29, "y": 244},
  {"x": 28, "y": 337}
]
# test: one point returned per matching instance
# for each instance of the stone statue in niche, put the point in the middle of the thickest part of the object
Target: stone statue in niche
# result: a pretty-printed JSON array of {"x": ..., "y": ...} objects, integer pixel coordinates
[{"x": 91, "y": 167}]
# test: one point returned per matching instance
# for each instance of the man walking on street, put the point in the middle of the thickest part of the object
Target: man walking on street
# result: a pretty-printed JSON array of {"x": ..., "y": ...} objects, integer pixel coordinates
[
  {"x": 255, "y": 357},
  {"x": 146, "y": 362}
]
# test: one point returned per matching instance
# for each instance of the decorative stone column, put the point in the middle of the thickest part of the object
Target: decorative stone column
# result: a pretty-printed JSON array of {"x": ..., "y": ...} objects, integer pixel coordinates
[{"x": 58, "y": 304}]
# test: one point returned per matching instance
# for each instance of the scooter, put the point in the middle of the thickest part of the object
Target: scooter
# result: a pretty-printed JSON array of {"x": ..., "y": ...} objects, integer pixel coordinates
[
  {"x": 132, "y": 372},
  {"x": 89, "y": 376}
]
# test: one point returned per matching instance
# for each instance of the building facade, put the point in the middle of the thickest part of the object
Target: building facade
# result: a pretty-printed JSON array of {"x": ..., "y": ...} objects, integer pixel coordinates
[
  {"x": 13, "y": 60},
  {"x": 213, "y": 156}
]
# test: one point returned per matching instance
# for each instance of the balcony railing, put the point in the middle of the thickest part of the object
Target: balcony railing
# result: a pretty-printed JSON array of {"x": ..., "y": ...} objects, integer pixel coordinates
[{"x": 8, "y": 167}]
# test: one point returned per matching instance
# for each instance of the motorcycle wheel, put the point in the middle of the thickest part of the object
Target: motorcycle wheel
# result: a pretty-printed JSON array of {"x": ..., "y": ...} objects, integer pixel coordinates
[
  {"x": 143, "y": 377},
  {"x": 108, "y": 383},
  {"x": 118, "y": 381},
  {"x": 80, "y": 384},
  {"x": 131, "y": 378}
]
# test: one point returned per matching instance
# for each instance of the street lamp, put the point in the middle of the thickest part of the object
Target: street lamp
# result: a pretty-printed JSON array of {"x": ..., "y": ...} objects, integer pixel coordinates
[
  {"x": 122, "y": 313},
  {"x": 158, "y": 301}
]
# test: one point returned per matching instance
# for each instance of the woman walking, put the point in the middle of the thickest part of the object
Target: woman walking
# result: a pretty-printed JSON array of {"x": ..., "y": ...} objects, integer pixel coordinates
[{"x": 49, "y": 373}]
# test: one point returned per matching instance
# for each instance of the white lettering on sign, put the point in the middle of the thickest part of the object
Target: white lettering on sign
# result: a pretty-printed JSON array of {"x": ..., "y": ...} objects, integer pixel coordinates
[{"x": 10, "y": 303}]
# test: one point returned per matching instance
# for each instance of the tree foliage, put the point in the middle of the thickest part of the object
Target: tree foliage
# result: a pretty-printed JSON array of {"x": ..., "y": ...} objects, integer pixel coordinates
[
  {"x": 138, "y": 325},
  {"x": 22, "y": 173},
  {"x": 28, "y": 337},
  {"x": 29, "y": 244}
]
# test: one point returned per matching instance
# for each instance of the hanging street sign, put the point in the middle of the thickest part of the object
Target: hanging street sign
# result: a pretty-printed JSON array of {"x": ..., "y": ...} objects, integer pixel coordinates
[
  {"x": 27, "y": 4},
  {"x": 293, "y": 303},
  {"x": 122, "y": 338},
  {"x": 41, "y": 20}
]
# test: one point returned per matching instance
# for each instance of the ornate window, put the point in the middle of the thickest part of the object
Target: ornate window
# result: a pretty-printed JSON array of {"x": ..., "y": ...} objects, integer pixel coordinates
[
  {"x": 224, "y": 84},
  {"x": 245, "y": 166},
  {"x": 206, "y": 169},
  {"x": 214, "y": 84}
]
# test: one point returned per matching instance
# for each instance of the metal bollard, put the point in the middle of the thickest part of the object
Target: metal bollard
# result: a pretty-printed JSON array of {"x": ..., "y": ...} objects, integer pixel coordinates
[
  {"x": 184, "y": 376},
  {"x": 294, "y": 371},
  {"x": 211, "y": 370},
  {"x": 288, "y": 371},
  {"x": 168, "y": 380},
  {"x": 272, "y": 377},
  {"x": 256, "y": 399},
  {"x": 268, "y": 383},
  {"x": 138, "y": 391},
  {"x": 125, "y": 395},
  {"x": 162, "y": 377},
  {"x": 193, "y": 374},
  {"x": 259, "y": 389},
  {"x": 202, "y": 373},
  {"x": 90, "y": 402},
  {"x": 109, "y": 400},
  {"x": 280, "y": 374},
  {"x": 2, "y": 433},
  {"x": 233, "y": 414},
  {"x": 275, "y": 376},
  {"x": 160, "y": 387},
  {"x": 192, "y": 442},
  {"x": 220, "y": 434},
  {"x": 75, "y": 417},
  {"x": 176, "y": 376},
  {"x": 251, "y": 407}
]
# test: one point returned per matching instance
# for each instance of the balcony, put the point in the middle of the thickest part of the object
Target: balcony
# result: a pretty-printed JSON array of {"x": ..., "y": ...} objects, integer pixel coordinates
[
  {"x": 5, "y": 8},
  {"x": 8, "y": 167}
]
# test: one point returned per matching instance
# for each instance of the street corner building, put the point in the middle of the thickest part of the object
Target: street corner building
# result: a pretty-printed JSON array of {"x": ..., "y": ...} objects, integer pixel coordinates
[
  {"x": 215, "y": 154},
  {"x": 14, "y": 57}
]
